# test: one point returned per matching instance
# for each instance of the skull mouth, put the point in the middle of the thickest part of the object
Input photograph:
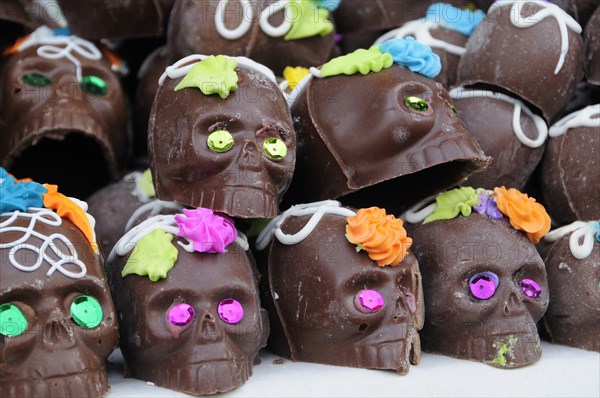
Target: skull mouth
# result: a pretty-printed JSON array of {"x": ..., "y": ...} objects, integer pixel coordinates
[{"x": 512, "y": 348}]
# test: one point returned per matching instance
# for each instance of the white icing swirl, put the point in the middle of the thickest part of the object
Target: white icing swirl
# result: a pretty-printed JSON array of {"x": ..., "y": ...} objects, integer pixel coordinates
[
  {"x": 581, "y": 241},
  {"x": 248, "y": 16},
  {"x": 540, "y": 124},
  {"x": 152, "y": 208},
  {"x": 586, "y": 117},
  {"x": 134, "y": 177},
  {"x": 244, "y": 25},
  {"x": 421, "y": 31},
  {"x": 420, "y": 211},
  {"x": 50, "y": 250},
  {"x": 316, "y": 209},
  {"x": 271, "y": 10},
  {"x": 563, "y": 19},
  {"x": 293, "y": 95}
]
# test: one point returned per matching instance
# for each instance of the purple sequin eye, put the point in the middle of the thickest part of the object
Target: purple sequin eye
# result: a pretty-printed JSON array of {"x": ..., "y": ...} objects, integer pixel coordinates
[
  {"x": 368, "y": 301},
  {"x": 530, "y": 288},
  {"x": 181, "y": 314},
  {"x": 483, "y": 285},
  {"x": 230, "y": 310}
]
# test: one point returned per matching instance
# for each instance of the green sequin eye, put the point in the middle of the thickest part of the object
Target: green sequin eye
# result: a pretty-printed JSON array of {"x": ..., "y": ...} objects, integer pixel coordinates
[
  {"x": 12, "y": 320},
  {"x": 220, "y": 141},
  {"x": 36, "y": 80},
  {"x": 417, "y": 104},
  {"x": 274, "y": 148},
  {"x": 94, "y": 85},
  {"x": 86, "y": 312}
]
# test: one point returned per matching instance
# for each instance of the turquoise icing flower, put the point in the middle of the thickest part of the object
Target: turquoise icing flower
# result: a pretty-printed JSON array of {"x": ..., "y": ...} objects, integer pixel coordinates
[
  {"x": 597, "y": 230},
  {"x": 453, "y": 18},
  {"x": 15, "y": 195},
  {"x": 329, "y": 5},
  {"x": 413, "y": 55}
]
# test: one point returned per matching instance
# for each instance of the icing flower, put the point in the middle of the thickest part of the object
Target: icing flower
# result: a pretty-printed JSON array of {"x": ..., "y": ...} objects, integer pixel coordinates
[
  {"x": 488, "y": 206},
  {"x": 382, "y": 236},
  {"x": 523, "y": 212},
  {"x": 453, "y": 18},
  {"x": 413, "y": 55},
  {"x": 329, "y": 5},
  {"x": 294, "y": 75},
  {"x": 208, "y": 232},
  {"x": 19, "y": 195}
]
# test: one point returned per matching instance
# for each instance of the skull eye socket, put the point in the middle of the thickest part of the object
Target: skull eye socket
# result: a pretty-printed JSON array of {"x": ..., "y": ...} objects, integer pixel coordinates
[
  {"x": 531, "y": 288},
  {"x": 36, "y": 80},
  {"x": 230, "y": 311},
  {"x": 86, "y": 312},
  {"x": 368, "y": 301},
  {"x": 483, "y": 285},
  {"x": 274, "y": 148},
  {"x": 12, "y": 320},
  {"x": 416, "y": 104},
  {"x": 220, "y": 141},
  {"x": 94, "y": 85},
  {"x": 181, "y": 314}
]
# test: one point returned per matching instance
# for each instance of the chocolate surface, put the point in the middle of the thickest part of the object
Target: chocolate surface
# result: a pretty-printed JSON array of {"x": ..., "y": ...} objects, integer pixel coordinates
[
  {"x": 581, "y": 10},
  {"x": 592, "y": 48}
]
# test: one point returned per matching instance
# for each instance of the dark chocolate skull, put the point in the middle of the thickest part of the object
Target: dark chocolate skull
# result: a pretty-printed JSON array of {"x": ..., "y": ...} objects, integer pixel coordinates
[
  {"x": 207, "y": 355},
  {"x": 592, "y": 49},
  {"x": 243, "y": 181},
  {"x": 453, "y": 254},
  {"x": 52, "y": 356},
  {"x": 78, "y": 134},
  {"x": 314, "y": 285}
]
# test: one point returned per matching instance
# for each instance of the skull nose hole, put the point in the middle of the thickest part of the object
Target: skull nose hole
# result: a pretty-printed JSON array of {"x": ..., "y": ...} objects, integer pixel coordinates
[
  {"x": 363, "y": 327},
  {"x": 209, "y": 317}
]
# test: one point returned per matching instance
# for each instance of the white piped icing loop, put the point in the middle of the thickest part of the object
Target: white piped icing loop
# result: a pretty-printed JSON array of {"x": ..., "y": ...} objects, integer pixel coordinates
[
  {"x": 134, "y": 177},
  {"x": 50, "y": 250},
  {"x": 286, "y": 24},
  {"x": 586, "y": 117},
  {"x": 420, "y": 211},
  {"x": 540, "y": 124},
  {"x": 292, "y": 96},
  {"x": 248, "y": 16},
  {"x": 152, "y": 208},
  {"x": 243, "y": 27},
  {"x": 421, "y": 31},
  {"x": 316, "y": 209},
  {"x": 563, "y": 19},
  {"x": 581, "y": 241}
]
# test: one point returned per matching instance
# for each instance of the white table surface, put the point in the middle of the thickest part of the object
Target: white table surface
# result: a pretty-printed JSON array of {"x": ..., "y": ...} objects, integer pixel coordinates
[{"x": 561, "y": 372}]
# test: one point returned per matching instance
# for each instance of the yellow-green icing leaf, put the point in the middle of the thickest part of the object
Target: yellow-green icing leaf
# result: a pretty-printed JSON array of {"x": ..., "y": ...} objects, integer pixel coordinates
[
  {"x": 154, "y": 255},
  {"x": 308, "y": 20},
  {"x": 213, "y": 75},
  {"x": 146, "y": 185},
  {"x": 453, "y": 202},
  {"x": 363, "y": 61}
]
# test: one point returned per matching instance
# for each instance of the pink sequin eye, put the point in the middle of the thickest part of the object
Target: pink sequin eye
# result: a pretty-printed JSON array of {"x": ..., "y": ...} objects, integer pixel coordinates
[
  {"x": 230, "y": 310},
  {"x": 531, "y": 288},
  {"x": 368, "y": 301},
  {"x": 483, "y": 285},
  {"x": 181, "y": 314}
]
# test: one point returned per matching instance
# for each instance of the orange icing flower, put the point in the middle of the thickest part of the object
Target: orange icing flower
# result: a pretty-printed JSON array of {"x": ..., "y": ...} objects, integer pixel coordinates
[
  {"x": 381, "y": 235},
  {"x": 523, "y": 212}
]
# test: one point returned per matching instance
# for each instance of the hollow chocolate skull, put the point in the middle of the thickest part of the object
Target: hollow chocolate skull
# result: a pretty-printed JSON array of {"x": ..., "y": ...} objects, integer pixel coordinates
[
  {"x": 335, "y": 306},
  {"x": 234, "y": 155},
  {"x": 199, "y": 327},
  {"x": 62, "y": 106}
]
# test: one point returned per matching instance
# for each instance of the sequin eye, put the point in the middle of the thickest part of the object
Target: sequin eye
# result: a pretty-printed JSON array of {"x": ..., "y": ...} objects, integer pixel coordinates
[
  {"x": 368, "y": 301},
  {"x": 181, "y": 314},
  {"x": 230, "y": 311},
  {"x": 274, "y": 148},
  {"x": 417, "y": 104},
  {"x": 531, "y": 288},
  {"x": 220, "y": 141},
  {"x": 453, "y": 109},
  {"x": 94, "y": 85},
  {"x": 483, "y": 285},
  {"x": 86, "y": 312},
  {"x": 36, "y": 80},
  {"x": 12, "y": 321}
]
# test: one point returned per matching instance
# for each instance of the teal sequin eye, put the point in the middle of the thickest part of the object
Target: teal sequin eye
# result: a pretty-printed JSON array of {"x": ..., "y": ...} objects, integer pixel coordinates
[
  {"x": 94, "y": 85},
  {"x": 36, "y": 80},
  {"x": 86, "y": 312},
  {"x": 274, "y": 148},
  {"x": 417, "y": 104},
  {"x": 12, "y": 321},
  {"x": 220, "y": 141}
]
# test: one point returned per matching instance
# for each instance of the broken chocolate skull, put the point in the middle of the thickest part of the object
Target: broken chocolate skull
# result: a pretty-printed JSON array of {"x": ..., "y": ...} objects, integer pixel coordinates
[
  {"x": 335, "y": 305},
  {"x": 189, "y": 307},
  {"x": 62, "y": 106},
  {"x": 484, "y": 283},
  {"x": 221, "y": 137},
  {"x": 57, "y": 321}
]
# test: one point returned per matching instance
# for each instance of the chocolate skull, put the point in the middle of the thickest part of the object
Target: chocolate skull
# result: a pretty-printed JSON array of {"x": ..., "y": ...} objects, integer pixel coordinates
[
  {"x": 242, "y": 176},
  {"x": 197, "y": 330},
  {"x": 592, "y": 49},
  {"x": 64, "y": 109},
  {"x": 316, "y": 287}
]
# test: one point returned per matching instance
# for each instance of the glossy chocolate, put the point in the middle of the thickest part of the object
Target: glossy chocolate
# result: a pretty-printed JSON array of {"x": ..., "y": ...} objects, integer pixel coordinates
[{"x": 592, "y": 49}]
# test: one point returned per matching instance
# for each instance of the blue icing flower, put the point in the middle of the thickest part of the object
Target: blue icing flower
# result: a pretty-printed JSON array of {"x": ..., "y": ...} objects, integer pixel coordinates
[
  {"x": 597, "y": 230},
  {"x": 413, "y": 55},
  {"x": 453, "y": 18},
  {"x": 19, "y": 195},
  {"x": 329, "y": 5}
]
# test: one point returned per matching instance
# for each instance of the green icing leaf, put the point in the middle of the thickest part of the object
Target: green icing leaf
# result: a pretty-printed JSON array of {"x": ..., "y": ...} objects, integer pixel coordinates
[
  {"x": 213, "y": 75},
  {"x": 308, "y": 20},
  {"x": 154, "y": 255},
  {"x": 146, "y": 185},
  {"x": 363, "y": 61},
  {"x": 453, "y": 202}
]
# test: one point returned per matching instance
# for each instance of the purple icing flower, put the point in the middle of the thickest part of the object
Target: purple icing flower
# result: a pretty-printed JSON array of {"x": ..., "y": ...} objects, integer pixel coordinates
[
  {"x": 208, "y": 232},
  {"x": 488, "y": 206}
]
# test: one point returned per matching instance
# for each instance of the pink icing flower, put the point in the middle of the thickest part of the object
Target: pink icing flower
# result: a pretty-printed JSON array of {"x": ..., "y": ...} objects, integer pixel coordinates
[{"x": 208, "y": 232}]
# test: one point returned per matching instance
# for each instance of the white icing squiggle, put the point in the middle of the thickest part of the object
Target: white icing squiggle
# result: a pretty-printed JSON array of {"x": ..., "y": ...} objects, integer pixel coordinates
[
  {"x": 586, "y": 117},
  {"x": 271, "y": 10},
  {"x": 244, "y": 25},
  {"x": 581, "y": 241},
  {"x": 563, "y": 19},
  {"x": 292, "y": 96},
  {"x": 420, "y": 211},
  {"x": 152, "y": 208},
  {"x": 49, "y": 251},
  {"x": 540, "y": 124},
  {"x": 316, "y": 209},
  {"x": 248, "y": 16},
  {"x": 134, "y": 177},
  {"x": 421, "y": 31}
]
